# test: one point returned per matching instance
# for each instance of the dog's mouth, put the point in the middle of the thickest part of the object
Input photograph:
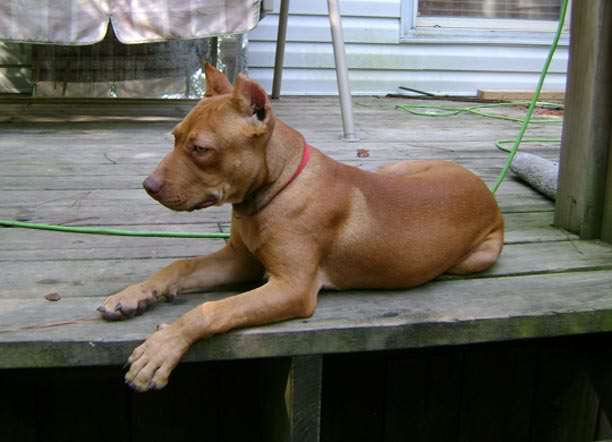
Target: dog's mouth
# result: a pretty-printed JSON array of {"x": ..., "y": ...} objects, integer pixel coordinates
[{"x": 209, "y": 201}]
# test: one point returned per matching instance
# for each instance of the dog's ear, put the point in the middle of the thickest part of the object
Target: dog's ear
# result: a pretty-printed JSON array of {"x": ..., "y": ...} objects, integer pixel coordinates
[
  {"x": 251, "y": 99},
  {"x": 216, "y": 81}
]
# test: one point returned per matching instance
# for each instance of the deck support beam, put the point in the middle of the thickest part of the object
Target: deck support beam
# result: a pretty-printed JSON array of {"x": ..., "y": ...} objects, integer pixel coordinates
[
  {"x": 583, "y": 205},
  {"x": 293, "y": 409}
]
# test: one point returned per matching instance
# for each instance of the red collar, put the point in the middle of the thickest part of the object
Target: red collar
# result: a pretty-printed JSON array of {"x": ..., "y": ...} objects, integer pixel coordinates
[
  {"x": 301, "y": 167},
  {"x": 251, "y": 207}
]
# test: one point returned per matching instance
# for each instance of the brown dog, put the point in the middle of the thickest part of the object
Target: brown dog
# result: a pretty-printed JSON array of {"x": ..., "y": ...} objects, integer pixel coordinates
[{"x": 305, "y": 220}]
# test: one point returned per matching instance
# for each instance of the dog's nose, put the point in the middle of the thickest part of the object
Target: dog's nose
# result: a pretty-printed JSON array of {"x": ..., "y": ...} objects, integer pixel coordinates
[{"x": 152, "y": 185}]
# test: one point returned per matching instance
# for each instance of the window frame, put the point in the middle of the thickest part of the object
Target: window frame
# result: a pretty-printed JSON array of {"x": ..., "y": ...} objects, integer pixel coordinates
[{"x": 475, "y": 30}]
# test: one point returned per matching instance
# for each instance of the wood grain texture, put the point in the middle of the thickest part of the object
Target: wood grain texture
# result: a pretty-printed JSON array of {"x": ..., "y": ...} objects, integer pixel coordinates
[
  {"x": 486, "y": 94},
  {"x": 291, "y": 388},
  {"x": 588, "y": 123},
  {"x": 439, "y": 313},
  {"x": 104, "y": 270},
  {"x": 606, "y": 224},
  {"x": 304, "y": 397}
]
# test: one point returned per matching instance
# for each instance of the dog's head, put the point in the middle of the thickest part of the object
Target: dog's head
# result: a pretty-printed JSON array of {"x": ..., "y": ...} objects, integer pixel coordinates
[{"x": 219, "y": 152}]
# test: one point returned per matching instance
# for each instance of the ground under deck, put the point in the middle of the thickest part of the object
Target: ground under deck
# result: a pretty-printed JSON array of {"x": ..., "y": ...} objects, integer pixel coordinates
[{"x": 79, "y": 163}]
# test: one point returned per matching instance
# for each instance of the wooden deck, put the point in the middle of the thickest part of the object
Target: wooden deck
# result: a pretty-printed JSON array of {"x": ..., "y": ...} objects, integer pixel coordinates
[{"x": 79, "y": 163}]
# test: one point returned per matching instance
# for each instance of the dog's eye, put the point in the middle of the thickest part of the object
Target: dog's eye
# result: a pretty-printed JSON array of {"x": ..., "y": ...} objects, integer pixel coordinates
[{"x": 201, "y": 150}]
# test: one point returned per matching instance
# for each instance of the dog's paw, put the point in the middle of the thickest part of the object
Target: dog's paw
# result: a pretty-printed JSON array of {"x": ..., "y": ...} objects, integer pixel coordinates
[
  {"x": 132, "y": 301},
  {"x": 152, "y": 362}
]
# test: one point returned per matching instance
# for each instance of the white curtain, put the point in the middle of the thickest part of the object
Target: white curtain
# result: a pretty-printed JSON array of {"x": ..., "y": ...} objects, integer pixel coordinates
[{"x": 81, "y": 22}]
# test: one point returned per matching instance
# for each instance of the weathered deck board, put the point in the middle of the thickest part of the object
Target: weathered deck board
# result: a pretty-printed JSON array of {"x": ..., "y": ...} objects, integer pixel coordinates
[
  {"x": 440, "y": 313},
  {"x": 85, "y": 168},
  {"x": 78, "y": 209},
  {"x": 101, "y": 274},
  {"x": 21, "y": 243}
]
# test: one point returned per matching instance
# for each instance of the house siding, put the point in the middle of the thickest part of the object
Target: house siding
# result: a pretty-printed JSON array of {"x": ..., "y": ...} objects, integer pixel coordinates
[{"x": 379, "y": 61}]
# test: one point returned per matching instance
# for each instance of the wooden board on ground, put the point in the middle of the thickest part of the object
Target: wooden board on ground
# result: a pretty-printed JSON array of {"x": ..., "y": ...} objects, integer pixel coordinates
[{"x": 501, "y": 95}]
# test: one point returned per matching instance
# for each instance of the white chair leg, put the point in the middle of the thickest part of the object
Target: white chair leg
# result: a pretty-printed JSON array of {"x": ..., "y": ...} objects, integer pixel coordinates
[
  {"x": 344, "y": 89},
  {"x": 280, "y": 48}
]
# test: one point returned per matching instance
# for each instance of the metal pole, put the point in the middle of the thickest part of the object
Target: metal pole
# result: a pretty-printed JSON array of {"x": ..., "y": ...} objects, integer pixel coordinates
[
  {"x": 281, "y": 38},
  {"x": 344, "y": 89}
]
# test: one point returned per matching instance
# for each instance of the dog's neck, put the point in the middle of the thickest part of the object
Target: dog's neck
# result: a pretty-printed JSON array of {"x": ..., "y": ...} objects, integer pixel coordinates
[{"x": 284, "y": 154}]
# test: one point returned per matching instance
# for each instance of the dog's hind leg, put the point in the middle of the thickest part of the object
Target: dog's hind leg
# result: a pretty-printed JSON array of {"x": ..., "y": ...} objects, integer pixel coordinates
[{"x": 482, "y": 257}]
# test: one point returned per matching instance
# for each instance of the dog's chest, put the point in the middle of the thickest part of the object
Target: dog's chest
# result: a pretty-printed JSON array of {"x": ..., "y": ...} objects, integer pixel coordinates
[{"x": 253, "y": 232}]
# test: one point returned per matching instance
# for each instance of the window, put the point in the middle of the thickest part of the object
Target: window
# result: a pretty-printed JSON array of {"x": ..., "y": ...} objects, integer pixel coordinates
[
  {"x": 518, "y": 9},
  {"x": 481, "y": 19}
]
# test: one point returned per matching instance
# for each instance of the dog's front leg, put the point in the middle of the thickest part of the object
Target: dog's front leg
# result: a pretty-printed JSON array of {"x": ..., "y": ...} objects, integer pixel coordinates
[
  {"x": 230, "y": 265},
  {"x": 277, "y": 300}
]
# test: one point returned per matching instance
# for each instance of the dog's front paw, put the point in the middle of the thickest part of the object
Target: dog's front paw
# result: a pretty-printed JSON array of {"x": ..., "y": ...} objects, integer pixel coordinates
[
  {"x": 132, "y": 301},
  {"x": 152, "y": 362}
]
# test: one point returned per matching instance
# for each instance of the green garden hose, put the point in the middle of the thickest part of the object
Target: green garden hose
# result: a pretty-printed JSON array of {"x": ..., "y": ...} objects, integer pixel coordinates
[
  {"x": 114, "y": 232},
  {"x": 449, "y": 111},
  {"x": 534, "y": 99}
]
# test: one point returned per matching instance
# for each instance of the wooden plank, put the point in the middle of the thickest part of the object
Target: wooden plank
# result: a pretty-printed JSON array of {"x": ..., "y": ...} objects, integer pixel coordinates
[
  {"x": 110, "y": 198},
  {"x": 304, "y": 398},
  {"x": 388, "y": 121},
  {"x": 275, "y": 411},
  {"x": 98, "y": 158},
  {"x": 440, "y": 313},
  {"x": 606, "y": 224},
  {"x": 533, "y": 227},
  {"x": 25, "y": 244},
  {"x": 501, "y": 95},
  {"x": 28, "y": 245},
  {"x": 586, "y": 147},
  {"x": 84, "y": 212},
  {"x": 106, "y": 271},
  {"x": 77, "y": 200},
  {"x": 134, "y": 182},
  {"x": 79, "y": 210},
  {"x": 97, "y": 152},
  {"x": 292, "y": 405}
]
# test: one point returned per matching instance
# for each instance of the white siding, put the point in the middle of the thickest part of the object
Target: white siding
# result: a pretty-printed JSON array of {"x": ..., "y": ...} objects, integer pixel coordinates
[{"x": 379, "y": 62}]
